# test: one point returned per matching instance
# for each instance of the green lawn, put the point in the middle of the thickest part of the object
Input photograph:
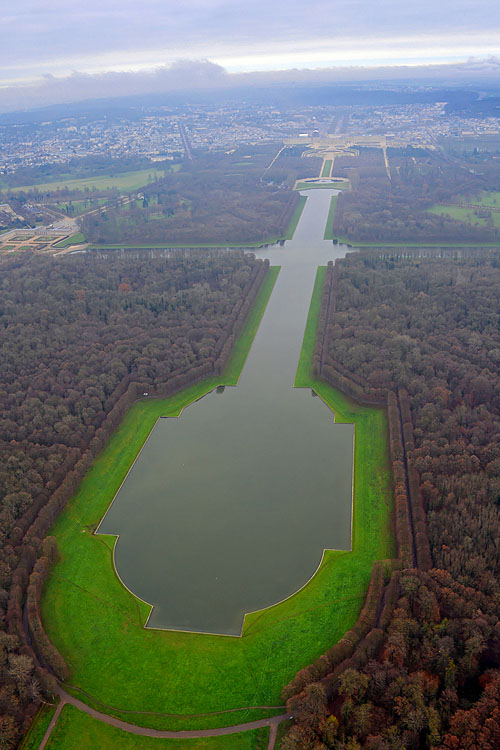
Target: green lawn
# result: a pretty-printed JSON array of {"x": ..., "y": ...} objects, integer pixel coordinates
[
  {"x": 126, "y": 181},
  {"x": 327, "y": 168},
  {"x": 36, "y": 732},
  {"x": 485, "y": 198},
  {"x": 78, "y": 731},
  {"x": 75, "y": 239},
  {"x": 329, "y": 233},
  {"x": 98, "y": 625},
  {"x": 81, "y": 207},
  {"x": 461, "y": 213},
  {"x": 341, "y": 185},
  {"x": 295, "y": 218}
]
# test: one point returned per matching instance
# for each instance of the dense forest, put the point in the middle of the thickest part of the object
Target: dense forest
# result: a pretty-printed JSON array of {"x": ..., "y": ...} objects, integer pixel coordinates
[
  {"x": 219, "y": 198},
  {"x": 82, "y": 337},
  {"x": 421, "y": 668},
  {"x": 395, "y": 208}
]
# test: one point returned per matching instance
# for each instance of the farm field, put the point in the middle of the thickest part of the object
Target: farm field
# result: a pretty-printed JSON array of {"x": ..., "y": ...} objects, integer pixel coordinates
[{"x": 98, "y": 625}]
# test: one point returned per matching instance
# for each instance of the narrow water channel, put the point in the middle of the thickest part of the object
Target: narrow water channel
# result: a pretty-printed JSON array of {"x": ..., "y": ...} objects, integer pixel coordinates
[{"x": 228, "y": 508}]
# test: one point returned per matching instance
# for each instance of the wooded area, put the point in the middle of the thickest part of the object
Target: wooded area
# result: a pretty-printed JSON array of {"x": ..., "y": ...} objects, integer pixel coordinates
[
  {"x": 381, "y": 209},
  {"x": 421, "y": 668},
  {"x": 219, "y": 198},
  {"x": 82, "y": 338}
]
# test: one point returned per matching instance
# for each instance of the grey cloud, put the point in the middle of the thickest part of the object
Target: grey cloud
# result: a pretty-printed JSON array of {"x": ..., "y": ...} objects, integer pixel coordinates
[{"x": 198, "y": 75}]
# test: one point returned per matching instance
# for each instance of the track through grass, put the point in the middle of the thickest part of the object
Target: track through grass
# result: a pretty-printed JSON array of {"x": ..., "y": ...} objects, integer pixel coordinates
[
  {"x": 76, "y": 730},
  {"x": 329, "y": 232}
]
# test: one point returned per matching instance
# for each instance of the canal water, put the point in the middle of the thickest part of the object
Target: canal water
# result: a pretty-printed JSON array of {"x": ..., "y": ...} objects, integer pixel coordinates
[{"x": 229, "y": 507}]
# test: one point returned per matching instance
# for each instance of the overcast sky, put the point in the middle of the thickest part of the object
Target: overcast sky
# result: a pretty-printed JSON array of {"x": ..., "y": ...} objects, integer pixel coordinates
[{"x": 60, "y": 38}]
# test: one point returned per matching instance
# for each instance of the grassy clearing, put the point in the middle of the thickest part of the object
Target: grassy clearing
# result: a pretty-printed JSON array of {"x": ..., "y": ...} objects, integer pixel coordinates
[
  {"x": 467, "y": 215},
  {"x": 36, "y": 732},
  {"x": 295, "y": 218},
  {"x": 75, "y": 239},
  {"x": 76, "y": 730},
  {"x": 327, "y": 168},
  {"x": 81, "y": 207},
  {"x": 126, "y": 181},
  {"x": 98, "y": 625},
  {"x": 329, "y": 233}
]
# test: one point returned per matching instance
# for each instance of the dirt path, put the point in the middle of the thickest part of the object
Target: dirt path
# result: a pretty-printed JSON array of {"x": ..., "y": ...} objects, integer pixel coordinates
[{"x": 66, "y": 698}]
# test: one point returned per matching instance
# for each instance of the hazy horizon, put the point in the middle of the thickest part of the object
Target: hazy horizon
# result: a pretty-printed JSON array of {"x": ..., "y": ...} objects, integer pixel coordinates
[{"x": 59, "y": 52}]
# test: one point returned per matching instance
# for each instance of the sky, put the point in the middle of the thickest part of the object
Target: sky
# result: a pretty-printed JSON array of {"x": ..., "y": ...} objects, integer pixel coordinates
[{"x": 44, "y": 42}]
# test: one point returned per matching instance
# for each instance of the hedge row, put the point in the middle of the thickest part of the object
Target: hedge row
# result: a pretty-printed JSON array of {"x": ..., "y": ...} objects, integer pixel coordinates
[
  {"x": 404, "y": 535},
  {"x": 342, "y": 650}
]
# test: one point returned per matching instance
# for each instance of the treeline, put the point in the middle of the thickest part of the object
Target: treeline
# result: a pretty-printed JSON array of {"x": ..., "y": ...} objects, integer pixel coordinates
[
  {"x": 379, "y": 209},
  {"x": 425, "y": 331},
  {"x": 82, "y": 338}
]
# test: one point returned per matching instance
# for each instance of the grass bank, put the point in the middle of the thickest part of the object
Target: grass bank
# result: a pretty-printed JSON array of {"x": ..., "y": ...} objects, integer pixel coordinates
[
  {"x": 76, "y": 730},
  {"x": 329, "y": 233},
  {"x": 99, "y": 626},
  {"x": 295, "y": 218},
  {"x": 466, "y": 214}
]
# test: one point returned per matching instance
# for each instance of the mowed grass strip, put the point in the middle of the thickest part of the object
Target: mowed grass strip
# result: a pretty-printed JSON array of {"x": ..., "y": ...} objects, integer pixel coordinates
[
  {"x": 466, "y": 214},
  {"x": 329, "y": 233},
  {"x": 327, "y": 168},
  {"x": 75, "y": 239},
  {"x": 98, "y": 625},
  {"x": 295, "y": 218},
  {"x": 125, "y": 181},
  {"x": 76, "y": 730}
]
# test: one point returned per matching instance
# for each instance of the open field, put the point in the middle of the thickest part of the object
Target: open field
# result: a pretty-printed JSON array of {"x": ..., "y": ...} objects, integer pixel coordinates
[
  {"x": 327, "y": 168},
  {"x": 485, "y": 199},
  {"x": 329, "y": 233},
  {"x": 76, "y": 730},
  {"x": 98, "y": 625},
  {"x": 465, "y": 214},
  {"x": 126, "y": 181}
]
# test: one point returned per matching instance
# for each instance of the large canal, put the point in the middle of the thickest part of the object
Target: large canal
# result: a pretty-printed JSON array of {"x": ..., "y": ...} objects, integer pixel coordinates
[{"x": 229, "y": 507}]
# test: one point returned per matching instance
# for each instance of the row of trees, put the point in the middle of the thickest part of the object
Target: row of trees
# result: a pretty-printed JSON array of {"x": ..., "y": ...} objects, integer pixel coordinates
[
  {"x": 425, "y": 330},
  {"x": 82, "y": 337}
]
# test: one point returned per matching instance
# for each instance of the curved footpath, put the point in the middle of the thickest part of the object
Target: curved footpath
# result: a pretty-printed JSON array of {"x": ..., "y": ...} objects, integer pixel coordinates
[{"x": 65, "y": 698}]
